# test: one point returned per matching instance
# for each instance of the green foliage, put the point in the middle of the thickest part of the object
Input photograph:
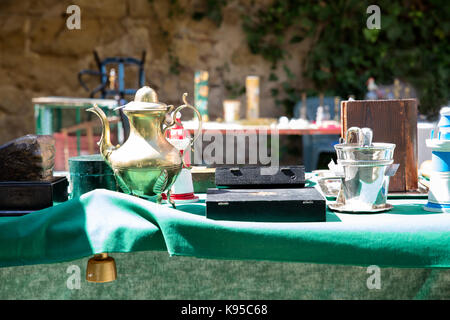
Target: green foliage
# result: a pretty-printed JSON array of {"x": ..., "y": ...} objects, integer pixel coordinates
[
  {"x": 174, "y": 63},
  {"x": 234, "y": 89},
  {"x": 212, "y": 10},
  {"x": 175, "y": 9},
  {"x": 411, "y": 45},
  {"x": 265, "y": 31}
]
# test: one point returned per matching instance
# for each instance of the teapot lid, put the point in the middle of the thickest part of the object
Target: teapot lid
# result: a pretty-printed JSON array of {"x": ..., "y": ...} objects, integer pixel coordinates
[{"x": 145, "y": 99}]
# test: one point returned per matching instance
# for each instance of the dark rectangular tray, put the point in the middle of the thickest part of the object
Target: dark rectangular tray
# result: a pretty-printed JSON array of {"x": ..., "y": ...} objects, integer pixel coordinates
[
  {"x": 266, "y": 205},
  {"x": 22, "y": 197},
  {"x": 252, "y": 177}
]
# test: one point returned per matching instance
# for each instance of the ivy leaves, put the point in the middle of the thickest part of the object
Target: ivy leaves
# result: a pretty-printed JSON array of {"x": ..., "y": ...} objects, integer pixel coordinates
[
  {"x": 266, "y": 30},
  {"x": 410, "y": 45}
]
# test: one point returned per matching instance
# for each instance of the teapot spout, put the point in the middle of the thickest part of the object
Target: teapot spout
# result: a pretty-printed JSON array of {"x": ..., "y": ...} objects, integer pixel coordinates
[{"x": 105, "y": 141}]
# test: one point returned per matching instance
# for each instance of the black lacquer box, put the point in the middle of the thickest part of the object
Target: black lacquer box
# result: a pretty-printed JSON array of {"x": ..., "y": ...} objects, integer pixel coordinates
[
  {"x": 261, "y": 177},
  {"x": 266, "y": 205},
  {"x": 21, "y": 197}
]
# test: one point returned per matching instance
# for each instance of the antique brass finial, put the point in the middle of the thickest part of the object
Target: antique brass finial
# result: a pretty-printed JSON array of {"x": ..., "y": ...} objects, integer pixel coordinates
[
  {"x": 146, "y": 94},
  {"x": 101, "y": 268}
]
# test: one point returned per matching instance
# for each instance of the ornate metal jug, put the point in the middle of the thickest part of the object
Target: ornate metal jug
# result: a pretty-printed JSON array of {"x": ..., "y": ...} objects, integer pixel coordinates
[
  {"x": 367, "y": 167},
  {"x": 146, "y": 164}
]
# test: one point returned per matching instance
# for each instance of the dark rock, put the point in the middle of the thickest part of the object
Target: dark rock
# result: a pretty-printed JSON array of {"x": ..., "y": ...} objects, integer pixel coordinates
[{"x": 28, "y": 158}]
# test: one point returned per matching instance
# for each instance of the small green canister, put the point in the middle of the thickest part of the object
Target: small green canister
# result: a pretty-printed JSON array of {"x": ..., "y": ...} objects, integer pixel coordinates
[{"x": 90, "y": 172}]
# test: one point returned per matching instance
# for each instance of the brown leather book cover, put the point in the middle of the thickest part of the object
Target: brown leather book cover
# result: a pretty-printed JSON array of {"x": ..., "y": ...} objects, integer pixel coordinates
[{"x": 392, "y": 121}]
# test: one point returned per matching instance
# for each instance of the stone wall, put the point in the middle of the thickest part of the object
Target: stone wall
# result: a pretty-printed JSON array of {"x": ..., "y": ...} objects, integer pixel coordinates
[{"x": 40, "y": 56}]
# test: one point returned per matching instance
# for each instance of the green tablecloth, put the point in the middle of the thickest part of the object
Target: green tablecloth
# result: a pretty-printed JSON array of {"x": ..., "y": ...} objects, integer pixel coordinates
[{"x": 106, "y": 221}]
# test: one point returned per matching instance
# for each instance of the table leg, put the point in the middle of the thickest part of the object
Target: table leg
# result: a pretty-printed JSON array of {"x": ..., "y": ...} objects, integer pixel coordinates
[
  {"x": 78, "y": 121},
  {"x": 46, "y": 121},
  {"x": 37, "y": 118},
  {"x": 307, "y": 155},
  {"x": 58, "y": 120},
  {"x": 90, "y": 138}
]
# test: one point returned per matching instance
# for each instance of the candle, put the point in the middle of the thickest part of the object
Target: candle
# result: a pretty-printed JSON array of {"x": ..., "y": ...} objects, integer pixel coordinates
[{"x": 252, "y": 89}]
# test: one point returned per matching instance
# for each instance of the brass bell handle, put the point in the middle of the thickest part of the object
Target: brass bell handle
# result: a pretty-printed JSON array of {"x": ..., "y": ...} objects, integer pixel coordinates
[{"x": 174, "y": 118}]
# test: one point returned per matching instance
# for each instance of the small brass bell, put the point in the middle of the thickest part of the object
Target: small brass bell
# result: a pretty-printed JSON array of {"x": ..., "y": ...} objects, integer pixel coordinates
[{"x": 101, "y": 268}]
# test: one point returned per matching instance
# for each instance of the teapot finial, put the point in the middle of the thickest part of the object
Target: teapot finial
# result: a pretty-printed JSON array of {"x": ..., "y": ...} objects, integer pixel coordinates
[{"x": 146, "y": 94}]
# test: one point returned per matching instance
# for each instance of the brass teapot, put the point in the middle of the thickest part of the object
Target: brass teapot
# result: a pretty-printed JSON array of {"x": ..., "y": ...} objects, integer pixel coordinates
[{"x": 146, "y": 164}]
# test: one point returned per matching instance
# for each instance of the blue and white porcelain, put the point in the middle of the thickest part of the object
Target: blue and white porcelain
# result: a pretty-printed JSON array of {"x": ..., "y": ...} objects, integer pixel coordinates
[{"x": 439, "y": 192}]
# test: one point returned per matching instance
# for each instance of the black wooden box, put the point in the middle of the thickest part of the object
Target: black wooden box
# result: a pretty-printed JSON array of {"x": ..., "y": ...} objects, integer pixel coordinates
[
  {"x": 256, "y": 177},
  {"x": 22, "y": 197},
  {"x": 266, "y": 205}
]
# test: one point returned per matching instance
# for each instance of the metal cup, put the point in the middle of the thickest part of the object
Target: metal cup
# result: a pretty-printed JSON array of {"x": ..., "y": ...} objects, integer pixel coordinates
[{"x": 366, "y": 175}]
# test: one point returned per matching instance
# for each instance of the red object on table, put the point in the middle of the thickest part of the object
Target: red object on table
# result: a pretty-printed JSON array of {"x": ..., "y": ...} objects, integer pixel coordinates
[{"x": 183, "y": 189}]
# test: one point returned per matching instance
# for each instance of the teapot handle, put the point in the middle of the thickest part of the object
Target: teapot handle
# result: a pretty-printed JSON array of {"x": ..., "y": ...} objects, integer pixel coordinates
[{"x": 174, "y": 118}]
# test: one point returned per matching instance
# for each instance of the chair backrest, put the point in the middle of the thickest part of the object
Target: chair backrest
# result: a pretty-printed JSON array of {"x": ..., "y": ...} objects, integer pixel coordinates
[{"x": 119, "y": 64}]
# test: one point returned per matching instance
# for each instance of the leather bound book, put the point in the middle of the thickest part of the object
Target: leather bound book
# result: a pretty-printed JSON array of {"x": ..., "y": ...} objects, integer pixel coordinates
[{"x": 392, "y": 121}]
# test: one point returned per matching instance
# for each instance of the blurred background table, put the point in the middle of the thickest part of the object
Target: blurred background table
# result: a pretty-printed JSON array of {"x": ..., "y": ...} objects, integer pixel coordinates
[
  {"x": 51, "y": 112},
  {"x": 232, "y": 128},
  {"x": 315, "y": 140},
  {"x": 49, "y": 109}
]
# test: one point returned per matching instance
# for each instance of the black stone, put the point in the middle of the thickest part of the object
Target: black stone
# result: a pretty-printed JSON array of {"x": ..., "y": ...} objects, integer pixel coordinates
[{"x": 28, "y": 158}]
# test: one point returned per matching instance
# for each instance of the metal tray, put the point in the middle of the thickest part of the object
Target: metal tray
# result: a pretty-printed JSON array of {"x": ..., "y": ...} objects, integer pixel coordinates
[{"x": 340, "y": 207}]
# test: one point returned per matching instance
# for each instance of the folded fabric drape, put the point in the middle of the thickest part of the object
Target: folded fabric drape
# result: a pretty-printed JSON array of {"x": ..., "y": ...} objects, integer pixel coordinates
[{"x": 107, "y": 221}]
